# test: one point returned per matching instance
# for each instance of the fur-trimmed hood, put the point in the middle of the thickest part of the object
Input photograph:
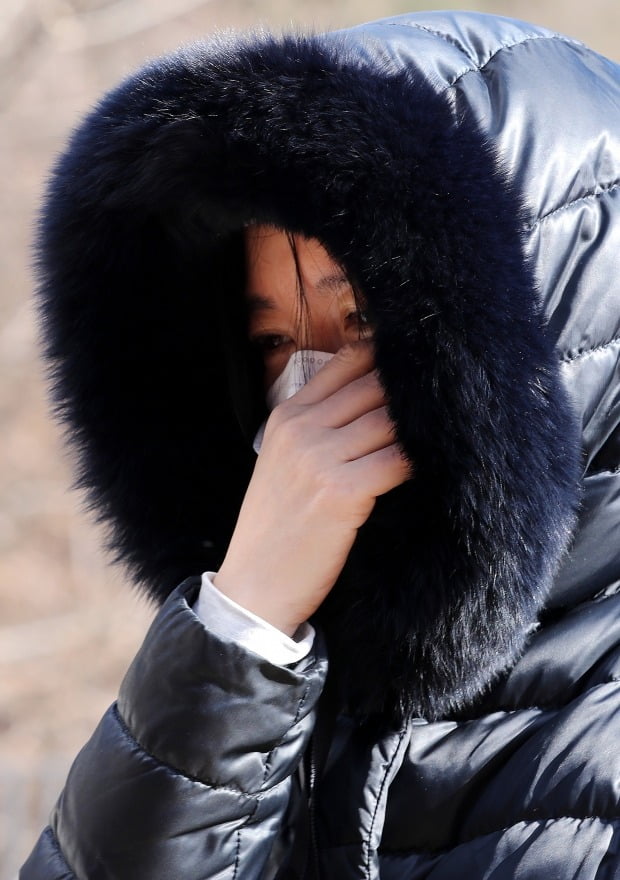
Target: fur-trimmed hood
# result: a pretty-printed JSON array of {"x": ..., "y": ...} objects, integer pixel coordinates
[{"x": 376, "y": 142}]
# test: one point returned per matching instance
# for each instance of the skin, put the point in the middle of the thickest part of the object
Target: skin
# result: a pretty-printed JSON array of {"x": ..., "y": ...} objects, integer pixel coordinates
[{"x": 328, "y": 452}]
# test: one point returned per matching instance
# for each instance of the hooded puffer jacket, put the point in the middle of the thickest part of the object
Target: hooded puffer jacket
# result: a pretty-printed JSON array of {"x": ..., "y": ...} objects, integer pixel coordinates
[{"x": 465, "y": 170}]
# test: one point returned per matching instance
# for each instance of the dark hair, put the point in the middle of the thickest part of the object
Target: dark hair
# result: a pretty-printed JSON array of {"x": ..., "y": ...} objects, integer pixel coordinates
[
  {"x": 302, "y": 303},
  {"x": 244, "y": 363}
]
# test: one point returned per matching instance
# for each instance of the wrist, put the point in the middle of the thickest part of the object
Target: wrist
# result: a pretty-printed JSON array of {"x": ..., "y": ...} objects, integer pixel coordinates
[{"x": 254, "y": 597}]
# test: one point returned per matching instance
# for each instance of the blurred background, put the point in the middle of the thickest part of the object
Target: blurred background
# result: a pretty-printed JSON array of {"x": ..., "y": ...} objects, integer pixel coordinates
[{"x": 69, "y": 623}]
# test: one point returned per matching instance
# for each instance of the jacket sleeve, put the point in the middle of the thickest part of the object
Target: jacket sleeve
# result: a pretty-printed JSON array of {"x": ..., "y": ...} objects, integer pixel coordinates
[{"x": 189, "y": 774}]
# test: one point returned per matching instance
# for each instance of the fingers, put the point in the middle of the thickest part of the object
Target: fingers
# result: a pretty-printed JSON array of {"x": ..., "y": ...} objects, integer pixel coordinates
[
  {"x": 350, "y": 362},
  {"x": 345, "y": 388},
  {"x": 379, "y": 471},
  {"x": 362, "y": 395},
  {"x": 346, "y": 398},
  {"x": 371, "y": 431}
]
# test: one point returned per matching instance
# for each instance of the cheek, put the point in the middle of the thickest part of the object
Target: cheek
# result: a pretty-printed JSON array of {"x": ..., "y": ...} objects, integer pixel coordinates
[{"x": 274, "y": 364}]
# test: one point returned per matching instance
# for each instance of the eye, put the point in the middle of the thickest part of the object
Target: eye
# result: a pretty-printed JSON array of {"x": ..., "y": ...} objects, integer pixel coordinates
[
  {"x": 358, "y": 320},
  {"x": 269, "y": 342}
]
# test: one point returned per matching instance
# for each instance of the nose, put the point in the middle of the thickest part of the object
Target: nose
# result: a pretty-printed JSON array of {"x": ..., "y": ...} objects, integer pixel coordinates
[{"x": 328, "y": 339}]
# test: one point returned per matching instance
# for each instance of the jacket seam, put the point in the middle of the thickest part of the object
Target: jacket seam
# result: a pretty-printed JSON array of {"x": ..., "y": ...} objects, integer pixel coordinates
[
  {"x": 282, "y": 738},
  {"x": 568, "y": 359},
  {"x": 367, "y": 844},
  {"x": 177, "y": 771},
  {"x": 594, "y": 194},
  {"x": 248, "y": 819},
  {"x": 479, "y": 67},
  {"x": 447, "y": 38},
  {"x": 237, "y": 855},
  {"x": 530, "y": 39},
  {"x": 609, "y": 820}
]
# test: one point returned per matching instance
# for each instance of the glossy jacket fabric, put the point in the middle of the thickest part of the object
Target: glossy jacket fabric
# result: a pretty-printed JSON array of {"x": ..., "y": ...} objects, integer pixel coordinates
[{"x": 464, "y": 169}]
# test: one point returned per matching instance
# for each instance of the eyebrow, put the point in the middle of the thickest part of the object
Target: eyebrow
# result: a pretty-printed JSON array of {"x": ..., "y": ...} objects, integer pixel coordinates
[
  {"x": 331, "y": 282},
  {"x": 257, "y": 302}
]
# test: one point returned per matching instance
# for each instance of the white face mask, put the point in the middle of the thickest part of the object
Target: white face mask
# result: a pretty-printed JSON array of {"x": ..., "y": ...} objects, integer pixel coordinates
[{"x": 301, "y": 367}]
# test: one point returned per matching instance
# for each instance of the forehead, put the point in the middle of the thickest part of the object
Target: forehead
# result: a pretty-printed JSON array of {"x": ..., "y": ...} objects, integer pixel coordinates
[{"x": 277, "y": 262}]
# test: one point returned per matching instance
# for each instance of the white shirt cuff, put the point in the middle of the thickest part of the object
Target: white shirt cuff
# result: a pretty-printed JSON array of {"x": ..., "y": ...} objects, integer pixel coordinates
[{"x": 226, "y": 619}]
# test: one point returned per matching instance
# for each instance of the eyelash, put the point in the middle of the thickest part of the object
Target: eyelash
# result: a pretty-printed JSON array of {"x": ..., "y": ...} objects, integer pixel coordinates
[
  {"x": 359, "y": 317},
  {"x": 271, "y": 342}
]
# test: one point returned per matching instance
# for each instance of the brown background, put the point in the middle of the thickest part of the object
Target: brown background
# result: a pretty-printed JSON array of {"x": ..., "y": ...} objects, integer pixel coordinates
[{"x": 68, "y": 622}]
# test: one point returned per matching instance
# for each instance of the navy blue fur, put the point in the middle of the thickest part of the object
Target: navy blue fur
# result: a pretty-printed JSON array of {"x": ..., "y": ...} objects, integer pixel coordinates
[{"x": 137, "y": 249}]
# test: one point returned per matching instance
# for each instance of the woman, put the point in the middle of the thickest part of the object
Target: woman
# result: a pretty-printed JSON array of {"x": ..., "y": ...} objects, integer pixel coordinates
[{"x": 439, "y": 191}]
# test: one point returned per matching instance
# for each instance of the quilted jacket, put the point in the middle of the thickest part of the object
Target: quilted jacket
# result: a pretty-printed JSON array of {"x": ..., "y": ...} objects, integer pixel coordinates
[{"x": 459, "y": 716}]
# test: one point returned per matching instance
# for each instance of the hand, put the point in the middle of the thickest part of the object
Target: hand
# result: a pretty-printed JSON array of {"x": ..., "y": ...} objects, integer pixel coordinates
[{"x": 327, "y": 453}]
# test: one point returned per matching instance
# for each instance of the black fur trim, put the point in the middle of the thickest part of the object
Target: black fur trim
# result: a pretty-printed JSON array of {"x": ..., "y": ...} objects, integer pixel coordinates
[{"x": 137, "y": 256}]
